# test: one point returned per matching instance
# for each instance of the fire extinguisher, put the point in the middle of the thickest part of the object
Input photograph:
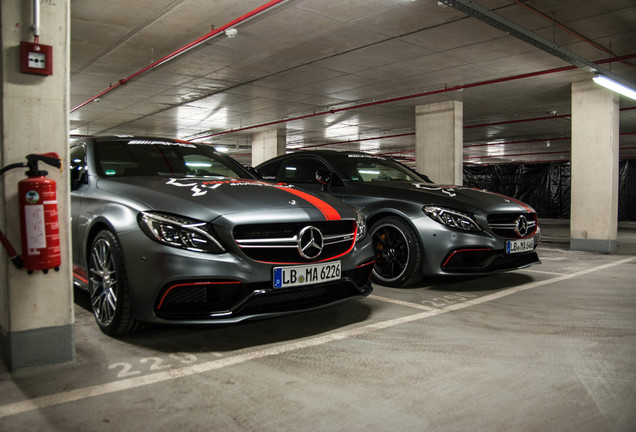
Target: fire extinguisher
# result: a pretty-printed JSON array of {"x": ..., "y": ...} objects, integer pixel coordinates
[{"x": 40, "y": 233}]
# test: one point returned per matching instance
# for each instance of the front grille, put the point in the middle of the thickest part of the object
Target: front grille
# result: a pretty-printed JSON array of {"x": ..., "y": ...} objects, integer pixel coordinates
[
  {"x": 506, "y": 225},
  {"x": 232, "y": 300},
  {"x": 302, "y": 298},
  {"x": 487, "y": 261},
  {"x": 278, "y": 243}
]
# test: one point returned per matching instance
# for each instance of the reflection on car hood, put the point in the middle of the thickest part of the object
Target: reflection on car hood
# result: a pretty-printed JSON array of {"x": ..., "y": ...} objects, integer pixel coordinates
[
  {"x": 205, "y": 198},
  {"x": 458, "y": 197}
]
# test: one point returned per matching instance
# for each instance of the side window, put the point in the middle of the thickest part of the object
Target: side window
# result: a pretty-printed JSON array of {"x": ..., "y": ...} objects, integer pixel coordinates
[
  {"x": 269, "y": 171},
  {"x": 78, "y": 167},
  {"x": 299, "y": 170}
]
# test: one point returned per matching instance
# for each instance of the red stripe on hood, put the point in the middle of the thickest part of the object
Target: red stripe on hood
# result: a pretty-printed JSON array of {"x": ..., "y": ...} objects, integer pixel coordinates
[{"x": 328, "y": 211}]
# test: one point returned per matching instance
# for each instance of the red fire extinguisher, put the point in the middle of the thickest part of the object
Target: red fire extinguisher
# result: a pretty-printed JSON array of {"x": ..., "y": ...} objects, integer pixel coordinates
[{"x": 40, "y": 231}]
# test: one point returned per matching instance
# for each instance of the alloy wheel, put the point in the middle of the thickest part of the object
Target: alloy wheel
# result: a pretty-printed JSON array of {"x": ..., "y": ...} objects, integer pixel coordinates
[
  {"x": 392, "y": 252},
  {"x": 103, "y": 282}
]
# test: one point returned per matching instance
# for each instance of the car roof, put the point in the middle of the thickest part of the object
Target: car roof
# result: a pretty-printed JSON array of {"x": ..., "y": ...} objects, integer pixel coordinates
[
  {"x": 132, "y": 137},
  {"x": 111, "y": 138},
  {"x": 324, "y": 153}
]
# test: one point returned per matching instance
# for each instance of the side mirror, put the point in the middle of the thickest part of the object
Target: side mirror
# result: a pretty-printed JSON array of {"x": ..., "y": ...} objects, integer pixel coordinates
[
  {"x": 78, "y": 176},
  {"x": 254, "y": 172},
  {"x": 324, "y": 177}
]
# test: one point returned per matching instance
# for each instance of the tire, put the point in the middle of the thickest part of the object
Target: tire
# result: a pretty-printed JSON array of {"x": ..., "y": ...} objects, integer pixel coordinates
[
  {"x": 108, "y": 286},
  {"x": 398, "y": 253}
]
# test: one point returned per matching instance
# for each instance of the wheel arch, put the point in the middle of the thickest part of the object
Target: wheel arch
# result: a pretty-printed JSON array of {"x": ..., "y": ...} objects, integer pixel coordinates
[
  {"x": 374, "y": 217},
  {"x": 97, "y": 226}
]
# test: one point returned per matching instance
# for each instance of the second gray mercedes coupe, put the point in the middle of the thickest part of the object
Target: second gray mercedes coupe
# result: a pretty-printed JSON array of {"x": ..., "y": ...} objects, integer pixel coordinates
[{"x": 418, "y": 228}]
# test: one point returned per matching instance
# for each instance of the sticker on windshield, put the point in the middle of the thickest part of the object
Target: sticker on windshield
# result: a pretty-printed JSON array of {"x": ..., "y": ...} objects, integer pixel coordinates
[
  {"x": 165, "y": 143},
  {"x": 200, "y": 188},
  {"x": 365, "y": 156}
]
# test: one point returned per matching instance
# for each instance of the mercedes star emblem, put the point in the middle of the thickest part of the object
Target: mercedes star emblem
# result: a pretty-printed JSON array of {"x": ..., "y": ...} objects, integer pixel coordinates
[
  {"x": 521, "y": 226},
  {"x": 310, "y": 242}
]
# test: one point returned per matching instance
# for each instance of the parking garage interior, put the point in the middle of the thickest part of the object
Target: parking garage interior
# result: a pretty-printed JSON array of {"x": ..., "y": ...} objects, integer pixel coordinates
[{"x": 450, "y": 88}]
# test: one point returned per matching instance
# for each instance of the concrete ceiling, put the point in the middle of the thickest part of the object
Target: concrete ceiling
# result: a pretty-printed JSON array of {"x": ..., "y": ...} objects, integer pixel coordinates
[{"x": 343, "y": 74}]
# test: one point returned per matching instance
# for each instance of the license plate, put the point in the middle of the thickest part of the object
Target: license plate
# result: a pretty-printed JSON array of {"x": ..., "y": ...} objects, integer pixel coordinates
[
  {"x": 518, "y": 246},
  {"x": 306, "y": 274}
]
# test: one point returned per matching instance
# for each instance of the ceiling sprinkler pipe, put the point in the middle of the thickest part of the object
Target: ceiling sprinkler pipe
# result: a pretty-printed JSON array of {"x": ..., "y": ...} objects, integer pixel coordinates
[
  {"x": 259, "y": 10},
  {"x": 411, "y": 96}
]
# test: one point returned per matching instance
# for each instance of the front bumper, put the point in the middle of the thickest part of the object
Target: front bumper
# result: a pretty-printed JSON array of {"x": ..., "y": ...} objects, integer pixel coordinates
[
  {"x": 170, "y": 285},
  {"x": 448, "y": 251},
  {"x": 486, "y": 261}
]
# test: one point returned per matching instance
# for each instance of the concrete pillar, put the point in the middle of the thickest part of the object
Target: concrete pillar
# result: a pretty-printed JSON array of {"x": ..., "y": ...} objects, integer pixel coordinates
[
  {"x": 439, "y": 146},
  {"x": 36, "y": 311},
  {"x": 268, "y": 144},
  {"x": 594, "y": 190}
]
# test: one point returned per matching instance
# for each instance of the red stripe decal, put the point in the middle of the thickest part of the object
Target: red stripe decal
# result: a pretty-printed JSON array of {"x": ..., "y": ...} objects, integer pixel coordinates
[
  {"x": 329, "y": 212},
  {"x": 463, "y": 250}
]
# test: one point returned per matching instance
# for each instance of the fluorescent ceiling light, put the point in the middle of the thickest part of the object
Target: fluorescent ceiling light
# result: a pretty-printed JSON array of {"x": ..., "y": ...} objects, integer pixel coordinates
[{"x": 615, "y": 86}]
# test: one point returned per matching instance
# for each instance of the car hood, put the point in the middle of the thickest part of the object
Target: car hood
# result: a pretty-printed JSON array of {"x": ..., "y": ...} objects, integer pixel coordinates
[
  {"x": 206, "y": 199},
  {"x": 458, "y": 197}
]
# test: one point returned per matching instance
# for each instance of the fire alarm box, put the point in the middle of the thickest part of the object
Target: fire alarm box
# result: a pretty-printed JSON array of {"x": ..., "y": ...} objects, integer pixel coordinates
[{"x": 36, "y": 58}]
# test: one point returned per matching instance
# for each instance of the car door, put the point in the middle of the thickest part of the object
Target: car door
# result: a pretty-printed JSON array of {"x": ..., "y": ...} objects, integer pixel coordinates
[{"x": 79, "y": 177}]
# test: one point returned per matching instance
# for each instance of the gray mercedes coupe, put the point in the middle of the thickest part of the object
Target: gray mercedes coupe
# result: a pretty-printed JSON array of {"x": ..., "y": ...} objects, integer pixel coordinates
[
  {"x": 167, "y": 231},
  {"x": 418, "y": 228}
]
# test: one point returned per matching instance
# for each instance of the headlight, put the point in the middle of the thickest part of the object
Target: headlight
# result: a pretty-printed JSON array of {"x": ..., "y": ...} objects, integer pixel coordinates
[
  {"x": 452, "y": 218},
  {"x": 179, "y": 232},
  {"x": 361, "y": 226}
]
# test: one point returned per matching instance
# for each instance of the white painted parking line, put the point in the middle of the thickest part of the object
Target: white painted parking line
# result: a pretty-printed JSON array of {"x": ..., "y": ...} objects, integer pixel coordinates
[
  {"x": 400, "y": 302},
  {"x": 544, "y": 272},
  {"x": 131, "y": 383}
]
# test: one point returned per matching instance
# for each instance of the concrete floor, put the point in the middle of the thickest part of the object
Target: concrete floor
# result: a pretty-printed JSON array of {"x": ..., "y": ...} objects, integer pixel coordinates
[{"x": 552, "y": 347}]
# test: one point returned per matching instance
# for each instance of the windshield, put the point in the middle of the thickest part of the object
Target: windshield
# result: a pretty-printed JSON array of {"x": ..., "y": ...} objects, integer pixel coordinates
[
  {"x": 162, "y": 158},
  {"x": 367, "y": 168}
]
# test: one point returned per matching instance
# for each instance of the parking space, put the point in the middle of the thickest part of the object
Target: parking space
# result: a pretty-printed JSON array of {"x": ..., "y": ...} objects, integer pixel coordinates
[
  {"x": 260, "y": 158},
  {"x": 551, "y": 347}
]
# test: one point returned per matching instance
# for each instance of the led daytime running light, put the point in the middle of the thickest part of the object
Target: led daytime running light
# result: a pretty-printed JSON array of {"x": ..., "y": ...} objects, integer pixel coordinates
[
  {"x": 361, "y": 226},
  {"x": 179, "y": 232},
  {"x": 452, "y": 218}
]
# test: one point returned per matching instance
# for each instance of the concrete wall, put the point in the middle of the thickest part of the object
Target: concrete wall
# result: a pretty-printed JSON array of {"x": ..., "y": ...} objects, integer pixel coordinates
[
  {"x": 439, "y": 141},
  {"x": 268, "y": 144},
  {"x": 36, "y": 311},
  {"x": 594, "y": 187}
]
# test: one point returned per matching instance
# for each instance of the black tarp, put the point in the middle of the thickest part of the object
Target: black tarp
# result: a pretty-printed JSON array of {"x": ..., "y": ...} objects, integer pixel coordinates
[
  {"x": 627, "y": 190},
  {"x": 546, "y": 187}
]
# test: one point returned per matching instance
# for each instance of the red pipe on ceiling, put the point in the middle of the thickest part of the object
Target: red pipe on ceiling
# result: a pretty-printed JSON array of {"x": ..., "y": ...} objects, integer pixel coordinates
[
  {"x": 412, "y": 96},
  {"x": 533, "y": 154},
  {"x": 411, "y": 159},
  {"x": 259, "y": 10},
  {"x": 466, "y": 127}
]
